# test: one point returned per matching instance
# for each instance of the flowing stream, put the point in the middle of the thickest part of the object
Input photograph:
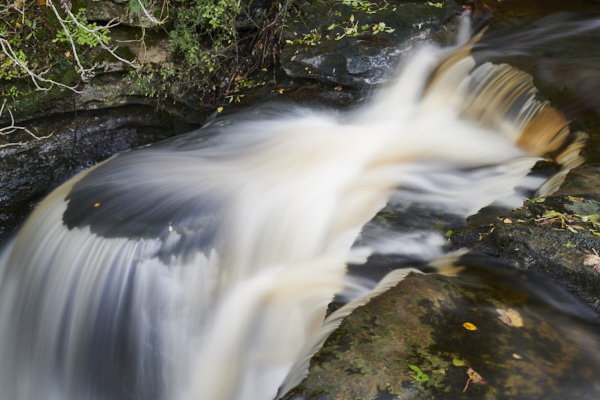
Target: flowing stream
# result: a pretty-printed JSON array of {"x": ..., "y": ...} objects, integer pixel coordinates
[{"x": 202, "y": 267}]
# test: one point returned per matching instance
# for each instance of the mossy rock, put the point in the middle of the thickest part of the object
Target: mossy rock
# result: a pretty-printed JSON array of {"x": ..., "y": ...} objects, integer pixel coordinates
[{"x": 425, "y": 338}]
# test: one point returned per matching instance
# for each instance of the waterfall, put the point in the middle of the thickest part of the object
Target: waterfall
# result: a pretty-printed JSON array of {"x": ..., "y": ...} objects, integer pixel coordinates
[{"x": 201, "y": 267}]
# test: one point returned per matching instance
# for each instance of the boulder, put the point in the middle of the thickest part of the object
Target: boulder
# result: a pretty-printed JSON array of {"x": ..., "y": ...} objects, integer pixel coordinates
[
  {"x": 359, "y": 43},
  {"x": 482, "y": 335}
]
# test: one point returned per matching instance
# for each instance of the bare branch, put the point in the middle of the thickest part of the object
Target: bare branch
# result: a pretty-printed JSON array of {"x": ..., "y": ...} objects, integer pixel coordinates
[
  {"x": 10, "y": 53},
  {"x": 13, "y": 128},
  {"x": 150, "y": 16}
]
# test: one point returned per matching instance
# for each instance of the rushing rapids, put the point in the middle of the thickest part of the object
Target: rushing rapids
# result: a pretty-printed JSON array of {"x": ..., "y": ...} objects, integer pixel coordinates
[{"x": 202, "y": 267}]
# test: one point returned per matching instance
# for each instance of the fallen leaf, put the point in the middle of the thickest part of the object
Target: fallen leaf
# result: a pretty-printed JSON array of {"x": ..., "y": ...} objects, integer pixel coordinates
[
  {"x": 591, "y": 260},
  {"x": 518, "y": 357},
  {"x": 478, "y": 379},
  {"x": 507, "y": 221},
  {"x": 457, "y": 362},
  {"x": 420, "y": 376},
  {"x": 469, "y": 326},
  {"x": 546, "y": 222},
  {"x": 510, "y": 317},
  {"x": 537, "y": 200},
  {"x": 475, "y": 378}
]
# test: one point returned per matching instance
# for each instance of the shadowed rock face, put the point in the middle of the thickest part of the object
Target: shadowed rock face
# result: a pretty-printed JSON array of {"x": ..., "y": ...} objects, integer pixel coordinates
[
  {"x": 424, "y": 338},
  {"x": 30, "y": 171}
]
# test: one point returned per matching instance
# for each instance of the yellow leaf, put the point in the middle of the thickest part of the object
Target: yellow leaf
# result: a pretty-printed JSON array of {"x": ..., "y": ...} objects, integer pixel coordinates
[{"x": 469, "y": 326}]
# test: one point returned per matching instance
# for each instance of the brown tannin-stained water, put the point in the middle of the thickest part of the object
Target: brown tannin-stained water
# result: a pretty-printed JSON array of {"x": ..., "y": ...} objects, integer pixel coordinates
[{"x": 202, "y": 267}]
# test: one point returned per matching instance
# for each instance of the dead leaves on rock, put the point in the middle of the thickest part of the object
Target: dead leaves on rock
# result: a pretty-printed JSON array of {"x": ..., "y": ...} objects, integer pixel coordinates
[
  {"x": 592, "y": 260},
  {"x": 510, "y": 317},
  {"x": 475, "y": 378},
  {"x": 568, "y": 221}
]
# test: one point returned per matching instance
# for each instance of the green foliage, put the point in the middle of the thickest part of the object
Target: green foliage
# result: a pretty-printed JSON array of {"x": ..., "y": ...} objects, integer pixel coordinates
[
  {"x": 8, "y": 69},
  {"x": 312, "y": 38},
  {"x": 367, "y": 6},
  {"x": 80, "y": 36},
  {"x": 437, "y": 5},
  {"x": 203, "y": 35},
  {"x": 203, "y": 30},
  {"x": 32, "y": 37},
  {"x": 351, "y": 28},
  {"x": 206, "y": 44},
  {"x": 135, "y": 7},
  {"x": 154, "y": 82},
  {"x": 420, "y": 376}
]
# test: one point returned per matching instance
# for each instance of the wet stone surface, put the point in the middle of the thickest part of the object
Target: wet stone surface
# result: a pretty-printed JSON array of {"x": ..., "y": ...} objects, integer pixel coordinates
[
  {"x": 360, "y": 45},
  {"x": 427, "y": 336},
  {"x": 553, "y": 236},
  {"x": 28, "y": 172}
]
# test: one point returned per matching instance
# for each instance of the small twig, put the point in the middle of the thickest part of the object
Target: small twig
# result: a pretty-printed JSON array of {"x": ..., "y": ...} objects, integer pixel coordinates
[
  {"x": 7, "y": 130},
  {"x": 283, "y": 20},
  {"x": 150, "y": 17}
]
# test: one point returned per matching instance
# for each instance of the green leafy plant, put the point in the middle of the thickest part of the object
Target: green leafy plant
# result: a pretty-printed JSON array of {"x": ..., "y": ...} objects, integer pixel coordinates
[
  {"x": 420, "y": 376},
  {"x": 312, "y": 38},
  {"x": 367, "y": 6},
  {"x": 83, "y": 37}
]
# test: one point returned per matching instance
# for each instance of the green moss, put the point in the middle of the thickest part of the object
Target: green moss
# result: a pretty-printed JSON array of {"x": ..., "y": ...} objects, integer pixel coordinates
[{"x": 412, "y": 342}]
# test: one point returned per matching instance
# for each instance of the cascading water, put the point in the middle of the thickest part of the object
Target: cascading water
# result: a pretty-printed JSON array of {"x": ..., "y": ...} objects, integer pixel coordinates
[{"x": 201, "y": 267}]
